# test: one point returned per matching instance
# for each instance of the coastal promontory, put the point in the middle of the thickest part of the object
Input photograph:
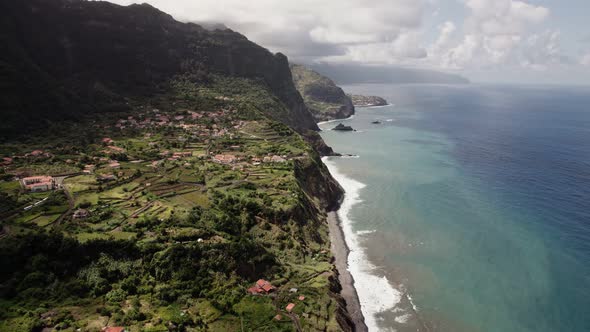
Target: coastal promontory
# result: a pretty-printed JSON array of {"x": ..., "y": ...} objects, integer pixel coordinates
[
  {"x": 367, "y": 101},
  {"x": 325, "y": 100}
]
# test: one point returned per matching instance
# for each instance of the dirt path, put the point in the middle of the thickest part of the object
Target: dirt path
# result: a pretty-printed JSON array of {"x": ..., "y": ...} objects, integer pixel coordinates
[{"x": 69, "y": 210}]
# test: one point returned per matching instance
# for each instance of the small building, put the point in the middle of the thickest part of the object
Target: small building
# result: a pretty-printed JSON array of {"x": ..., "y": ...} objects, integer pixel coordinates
[
  {"x": 116, "y": 149},
  {"x": 38, "y": 183},
  {"x": 278, "y": 159},
  {"x": 261, "y": 287},
  {"x": 106, "y": 178},
  {"x": 290, "y": 307},
  {"x": 225, "y": 158},
  {"x": 88, "y": 169},
  {"x": 182, "y": 154},
  {"x": 81, "y": 214},
  {"x": 107, "y": 141},
  {"x": 278, "y": 317},
  {"x": 301, "y": 298},
  {"x": 293, "y": 290},
  {"x": 114, "y": 164},
  {"x": 114, "y": 329}
]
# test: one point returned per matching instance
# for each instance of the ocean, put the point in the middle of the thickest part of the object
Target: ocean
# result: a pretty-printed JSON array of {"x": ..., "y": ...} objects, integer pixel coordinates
[{"x": 468, "y": 207}]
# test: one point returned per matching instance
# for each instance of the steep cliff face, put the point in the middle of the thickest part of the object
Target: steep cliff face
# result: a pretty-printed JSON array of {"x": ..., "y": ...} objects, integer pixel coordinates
[
  {"x": 325, "y": 100},
  {"x": 63, "y": 59}
]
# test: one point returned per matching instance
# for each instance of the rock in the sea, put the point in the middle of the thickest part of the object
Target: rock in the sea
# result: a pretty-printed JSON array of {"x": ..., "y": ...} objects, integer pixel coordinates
[{"x": 341, "y": 127}]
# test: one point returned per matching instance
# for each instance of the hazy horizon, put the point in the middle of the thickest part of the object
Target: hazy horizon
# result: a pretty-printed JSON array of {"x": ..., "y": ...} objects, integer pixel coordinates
[{"x": 503, "y": 41}]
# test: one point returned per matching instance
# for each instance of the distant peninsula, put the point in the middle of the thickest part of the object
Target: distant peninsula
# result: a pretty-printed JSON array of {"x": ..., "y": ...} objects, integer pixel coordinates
[
  {"x": 367, "y": 101},
  {"x": 325, "y": 100}
]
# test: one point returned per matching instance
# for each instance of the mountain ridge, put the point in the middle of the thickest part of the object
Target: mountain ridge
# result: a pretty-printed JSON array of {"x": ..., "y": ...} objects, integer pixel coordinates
[{"x": 72, "y": 58}]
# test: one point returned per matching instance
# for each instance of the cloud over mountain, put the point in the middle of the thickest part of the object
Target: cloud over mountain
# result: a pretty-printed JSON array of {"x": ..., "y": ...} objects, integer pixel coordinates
[{"x": 452, "y": 35}]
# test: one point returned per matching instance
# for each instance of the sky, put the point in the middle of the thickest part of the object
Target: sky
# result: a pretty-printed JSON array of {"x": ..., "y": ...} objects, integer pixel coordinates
[{"x": 504, "y": 41}]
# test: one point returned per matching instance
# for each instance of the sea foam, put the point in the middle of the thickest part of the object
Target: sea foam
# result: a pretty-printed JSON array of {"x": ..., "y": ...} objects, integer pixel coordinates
[
  {"x": 335, "y": 120},
  {"x": 375, "y": 293}
]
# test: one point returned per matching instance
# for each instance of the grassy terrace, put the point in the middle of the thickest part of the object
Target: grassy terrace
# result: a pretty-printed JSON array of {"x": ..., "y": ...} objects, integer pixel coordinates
[{"x": 173, "y": 237}]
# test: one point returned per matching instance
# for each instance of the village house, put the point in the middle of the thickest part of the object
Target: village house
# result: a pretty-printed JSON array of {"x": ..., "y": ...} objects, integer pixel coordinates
[
  {"x": 38, "y": 183},
  {"x": 290, "y": 307},
  {"x": 81, "y": 214},
  {"x": 114, "y": 329},
  {"x": 261, "y": 287},
  {"x": 6, "y": 161},
  {"x": 278, "y": 159},
  {"x": 155, "y": 163},
  {"x": 38, "y": 153},
  {"x": 114, "y": 164},
  {"x": 107, "y": 141},
  {"x": 116, "y": 149},
  {"x": 89, "y": 169},
  {"x": 106, "y": 178},
  {"x": 225, "y": 158},
  {"x": 182, "y": 154}
]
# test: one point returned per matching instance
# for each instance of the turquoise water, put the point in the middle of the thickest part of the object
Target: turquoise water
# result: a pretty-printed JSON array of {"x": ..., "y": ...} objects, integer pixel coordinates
[{"x": 474, "y": 206}]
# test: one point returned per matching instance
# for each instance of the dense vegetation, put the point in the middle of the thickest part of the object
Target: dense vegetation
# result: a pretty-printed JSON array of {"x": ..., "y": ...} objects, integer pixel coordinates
[
  {"x": 186, "y": 168},
  {"x": 173, "y": 246}
]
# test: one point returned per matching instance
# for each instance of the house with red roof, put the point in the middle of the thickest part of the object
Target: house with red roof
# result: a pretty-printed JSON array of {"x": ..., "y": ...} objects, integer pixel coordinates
[
  {"x": 225, "y": 158},
  {"x": 261, "y": 287},
  {"x": 38, "y": 183},
  {"x": 114, "y": 329},
  {"x": 290, "y": 307}
]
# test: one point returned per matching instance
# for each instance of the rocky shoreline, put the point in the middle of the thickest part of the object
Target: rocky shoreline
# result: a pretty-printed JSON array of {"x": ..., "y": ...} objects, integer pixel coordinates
[{"x": 348, "y": 292}]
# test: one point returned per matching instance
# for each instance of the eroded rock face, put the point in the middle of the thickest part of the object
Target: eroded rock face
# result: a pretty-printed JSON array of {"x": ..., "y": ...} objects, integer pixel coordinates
[{"x": 325, "y": 100}]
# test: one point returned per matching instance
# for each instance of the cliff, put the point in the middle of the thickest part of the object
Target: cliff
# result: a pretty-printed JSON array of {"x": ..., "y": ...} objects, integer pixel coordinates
[
  {"x": 65, "y": 59},
  {"x": 192, "y": 232},
  {"x": 325, "y": 99}
]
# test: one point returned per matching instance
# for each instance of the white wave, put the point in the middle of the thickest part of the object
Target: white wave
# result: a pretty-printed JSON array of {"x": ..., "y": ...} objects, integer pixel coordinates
[
  {"x": 414, "y": 306},
  {"x": 350, "y": 156},
  {"x": 335, "y": 120},
  {"x": 390, "y": 120},
  {"x": 375, "y": 293},
  {"x": 377, "y": 106},
  {"x": 366, "y": 232}
]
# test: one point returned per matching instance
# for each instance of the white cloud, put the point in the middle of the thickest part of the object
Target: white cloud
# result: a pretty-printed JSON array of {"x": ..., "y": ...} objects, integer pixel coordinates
[
  {"x": 311, "y": 28},
  {"x": 502, "y": 17},
  {"x": 405, "y": 47},
  {"x": 493, "y": 35},
  {"x": 494, "y": 32}
]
